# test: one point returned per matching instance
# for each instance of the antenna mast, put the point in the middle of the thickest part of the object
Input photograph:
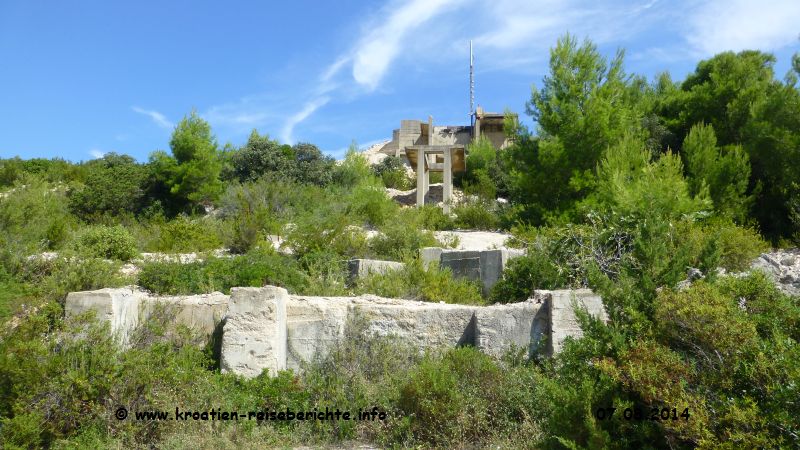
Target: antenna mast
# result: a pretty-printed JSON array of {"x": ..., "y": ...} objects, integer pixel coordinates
[{"x": 471, "y": 84}]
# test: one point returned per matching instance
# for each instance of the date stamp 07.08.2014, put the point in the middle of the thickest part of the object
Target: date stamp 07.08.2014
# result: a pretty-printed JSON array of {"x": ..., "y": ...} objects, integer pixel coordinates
[{"x": 638, "y": 413}]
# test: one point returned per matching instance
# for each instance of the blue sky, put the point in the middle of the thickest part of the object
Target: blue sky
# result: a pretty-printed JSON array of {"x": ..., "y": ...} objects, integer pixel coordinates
[{"x": 81, "y": 78}]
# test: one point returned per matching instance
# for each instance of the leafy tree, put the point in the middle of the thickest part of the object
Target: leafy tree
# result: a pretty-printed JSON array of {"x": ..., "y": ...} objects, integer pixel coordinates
[
  {"x": 261, "y": 155},
  {"x": 195, "y": 149},
  {"x": 258, "y": 156},
  {"x": 310, "y": 165}
]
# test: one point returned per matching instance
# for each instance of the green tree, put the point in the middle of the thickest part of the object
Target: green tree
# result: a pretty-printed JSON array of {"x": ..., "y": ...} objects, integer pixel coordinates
[
  {"x": 192, "y": 174},
  {"x": 585, "y": 105},
  {"x": 739, "y": 96},
  {"x": 724, "y": 171},
  {"x": 302, "y": 162},
  {"x": 260, "y": 155},
  {"x": 114, "y": 185}
]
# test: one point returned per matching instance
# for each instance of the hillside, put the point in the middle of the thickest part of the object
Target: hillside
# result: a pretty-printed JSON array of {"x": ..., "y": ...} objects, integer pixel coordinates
[{"x": 624, "y": 276}]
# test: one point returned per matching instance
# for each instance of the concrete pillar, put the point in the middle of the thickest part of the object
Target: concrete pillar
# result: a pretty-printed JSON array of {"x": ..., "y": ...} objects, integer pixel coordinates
[
  {"x": 427, "y": 178},
  {"x": 254, "y": 334},
  {"x": 421, "y": 177},
  {"x": 447, "y": 186}
]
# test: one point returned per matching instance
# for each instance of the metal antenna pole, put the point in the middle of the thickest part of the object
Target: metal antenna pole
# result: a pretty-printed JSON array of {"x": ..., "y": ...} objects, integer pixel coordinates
[{"x": 471, "y": 85}]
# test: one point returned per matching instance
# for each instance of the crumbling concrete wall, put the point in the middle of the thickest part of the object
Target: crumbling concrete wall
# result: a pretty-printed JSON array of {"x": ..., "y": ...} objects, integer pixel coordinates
[
  {"x": 358, "y": 268},
  {"x": 485, "y": 266},
  {"x": 254, "y": 334},
  {"x": 125, "y": 308},
  {"x": 268, "y": 329},
  {"x": 563, "y": 320}
]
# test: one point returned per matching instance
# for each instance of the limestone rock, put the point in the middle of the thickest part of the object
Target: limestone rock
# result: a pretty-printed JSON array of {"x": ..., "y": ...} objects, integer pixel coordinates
[{"x": 783, "y": 266}]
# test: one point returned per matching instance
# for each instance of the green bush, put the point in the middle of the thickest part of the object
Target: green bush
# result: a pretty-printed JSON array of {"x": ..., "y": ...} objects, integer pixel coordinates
[
  {"x": 114, "y": 185},
  {"x": 392, "y": 172},
  {"x": 464, "y": 398},
  {"x": 34, "y": 216},
  {"x": 476, "y": 216},
  {"x": 398, "y": 241},
  {"x": 372, "y": 205},
  {"x": 418, "y": 283},
  {"x": 102, "y": 241},
  {"x": 220, "y": 274},
  {"x": 524, "y": 274},
  {"x": 183, "y": 235}
]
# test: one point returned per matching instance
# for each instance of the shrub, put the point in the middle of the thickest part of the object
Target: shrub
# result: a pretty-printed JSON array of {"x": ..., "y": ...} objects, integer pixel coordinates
[
  {"x": 372, "y": 205},
  {"x": 354, "y": 170},
  {"x": 476, "y": 216},
  {"x": 106, "y": 242},
  {"x": 34, "y": 216},
  {"x": 183, "y": 234},
  {"x": 392, "y": 172},
  {"x": 398, "y": 241},
  {"x": 327, "y": 231},
  {"x": 418, "y": 283},
  {"x": 220, "y": 274},
  {"x": 114, "y": 185},
  {"x": 524, "y": 274},
  {"x": 464, "y": 398}
]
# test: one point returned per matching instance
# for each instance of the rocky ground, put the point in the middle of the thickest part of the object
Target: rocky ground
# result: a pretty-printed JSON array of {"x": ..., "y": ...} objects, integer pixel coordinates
[
  {"x": 783, "y": 266},
  {"x": 433, "y": 197}
]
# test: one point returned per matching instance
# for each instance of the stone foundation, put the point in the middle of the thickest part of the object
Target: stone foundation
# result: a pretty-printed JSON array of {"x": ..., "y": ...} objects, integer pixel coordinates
[{"x": 268, "y": 329}]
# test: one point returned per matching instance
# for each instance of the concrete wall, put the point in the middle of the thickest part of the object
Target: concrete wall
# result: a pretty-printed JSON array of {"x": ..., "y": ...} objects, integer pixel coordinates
[
  {"x": 254, "y": 334},
  {"x": 125, "y": 308},
  {"x": 358, "y": 268},
  {"x": 485, "y": 266},
  {"x": 268, "y": 329}
]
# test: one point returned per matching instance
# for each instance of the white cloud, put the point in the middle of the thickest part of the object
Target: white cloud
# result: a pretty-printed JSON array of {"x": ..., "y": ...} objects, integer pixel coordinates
[
  {"x": 156, "y": 116},
  {"x": 736, "y": 25},
  {"x": 378, "y": 47},
  {"x": 292, "y": 121},
  {"x": 96, "y": 153}
]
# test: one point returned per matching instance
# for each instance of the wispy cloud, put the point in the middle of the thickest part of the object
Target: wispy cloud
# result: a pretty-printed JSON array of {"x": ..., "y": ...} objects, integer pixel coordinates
[
  {"x": 294, "y": 119},
  {"x": 419, "y": 36},
  {"x": 378, "y": 47},
  {"x": 156, "y": 116},
  {"x": 96, "y": 153},
  {"x": 722, "y": 25}
]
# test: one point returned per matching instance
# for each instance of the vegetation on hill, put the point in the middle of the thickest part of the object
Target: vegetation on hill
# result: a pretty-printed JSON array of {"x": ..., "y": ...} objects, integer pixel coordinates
[{"x": 624, "y": 185}]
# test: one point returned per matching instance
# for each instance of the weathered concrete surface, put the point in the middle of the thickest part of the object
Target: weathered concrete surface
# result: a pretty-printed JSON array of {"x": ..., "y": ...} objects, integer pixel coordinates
[
  {"x": 359, "y": 268},
  {"x": 313, "y": 325},
  {"x": 254, "y": 334},
  {"x": 485, "y": 266},
  {"x": 563, "y": 320},
  {"x": 501, "y": 327},
  {"x": 316, "y": 323},
  {"x": 125, "y": 308},
  {"x": 426, "y": 325},
  {"x": 267, "y": 329},
  {"x": 118, "y": 307}
]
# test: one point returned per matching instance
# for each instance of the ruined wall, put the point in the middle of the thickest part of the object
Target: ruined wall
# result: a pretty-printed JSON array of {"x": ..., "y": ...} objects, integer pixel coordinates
[
  {"x": 268, "y": 329},
  {"x": 125, "y": 308}
]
